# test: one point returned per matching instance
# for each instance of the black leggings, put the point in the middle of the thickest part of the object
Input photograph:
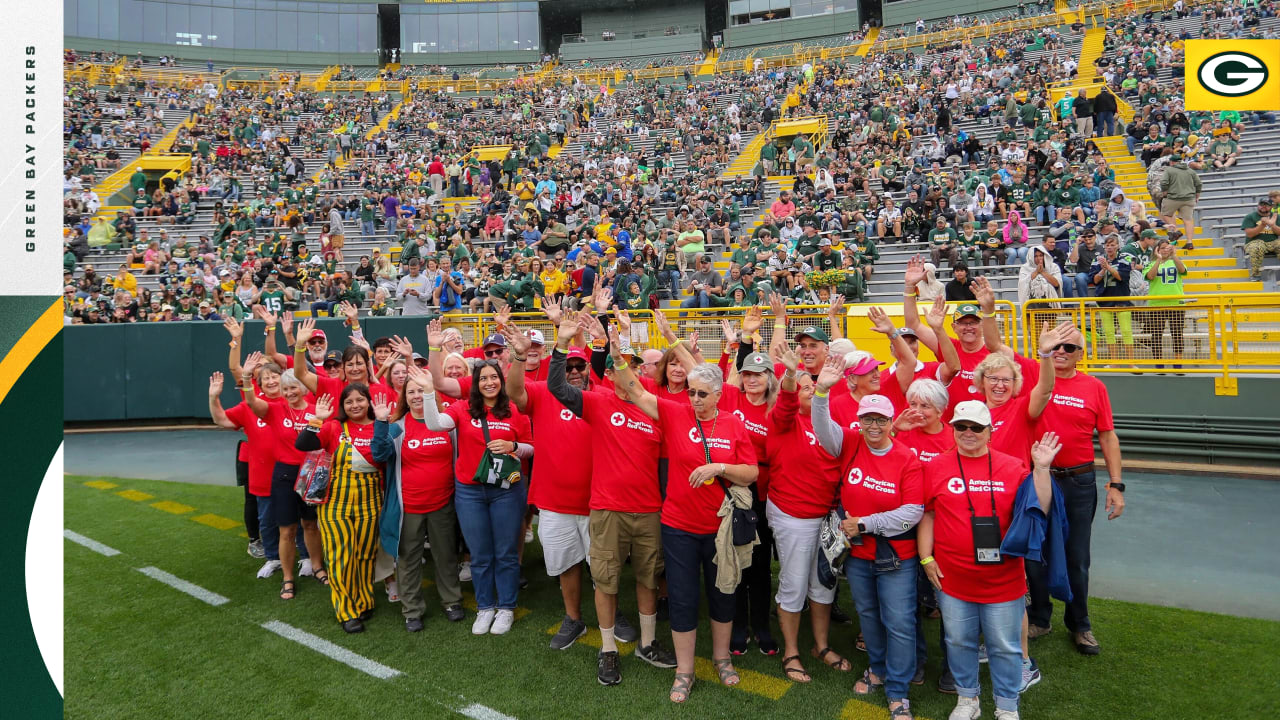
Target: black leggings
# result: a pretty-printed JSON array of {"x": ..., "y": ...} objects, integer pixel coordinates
[
  {"x": 753, "y": 597},
  {"x": 250, "y": 502}
]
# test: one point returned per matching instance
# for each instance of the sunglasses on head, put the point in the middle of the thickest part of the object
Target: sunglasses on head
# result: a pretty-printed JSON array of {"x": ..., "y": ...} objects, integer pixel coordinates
[
  {"x": 492, "y": 353},
  {"x": 1068, "y": 347},
  {"x": 968, "y": 427},
  {"x": 698, "y": 393}
]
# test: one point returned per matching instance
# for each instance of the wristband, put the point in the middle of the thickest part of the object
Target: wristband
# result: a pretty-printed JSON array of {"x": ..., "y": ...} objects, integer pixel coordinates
[
  {"x": 234, "y": 344},
  {"x": 789, "y": 374},
  {"x": 1046, "y": 354},
  {"x": 269, "y": 330},
  {"x": 910, "y": 294},
  {"x": 779, "y": 326},
  {"x": 821, "y": 393},
  {"x": 926, "y": 561},
  {"x": 433, "y": 348},
  {"x": 302, "y": 349},
  {"x": 314, "y": 424},
  {"x": 988, "y": 314},
  {"x": 517, "y": 357}
]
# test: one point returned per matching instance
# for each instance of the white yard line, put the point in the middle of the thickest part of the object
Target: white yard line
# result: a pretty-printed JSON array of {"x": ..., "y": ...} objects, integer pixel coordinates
[
  {"x": 335, "y": 652},
  {"x": 93, "y": 545},
  {"x": 481, "y": 712},
  {"x": 181, "y": 585}
]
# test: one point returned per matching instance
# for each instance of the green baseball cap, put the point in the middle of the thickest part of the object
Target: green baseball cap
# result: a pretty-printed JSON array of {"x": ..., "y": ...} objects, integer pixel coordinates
[
  {"x": 814, "y": 332},
  {"x": 1149, "y": 233},
  {"x": 968, "y": 309}
]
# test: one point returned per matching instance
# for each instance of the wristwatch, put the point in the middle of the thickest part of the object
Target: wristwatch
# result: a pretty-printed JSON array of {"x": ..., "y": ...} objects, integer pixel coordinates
[
  {"x": 1117, "y": 485},
  {"x": 862, "y": 529}
]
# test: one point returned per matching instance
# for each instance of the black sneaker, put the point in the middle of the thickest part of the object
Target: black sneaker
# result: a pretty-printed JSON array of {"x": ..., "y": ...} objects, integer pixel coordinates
[
  {"x": 947, "y": 684},
  {"x": 413, "y": 624},
  {"x": 839, "y": 616},
  {"x": 624, "y": 631},
  {"x": 454, "y": 613},
  {"x": 738, "y": 642},
  {"x": 657, "y": 656},
  {"x": 766, "y": 643},
  {"x": 607, "y": 671},
  {"x": 918, "y": 678},
  {"x": 570, "y": 631},
  {"x": 524, "y": 582},
  {"x": 664, "y": 609}
]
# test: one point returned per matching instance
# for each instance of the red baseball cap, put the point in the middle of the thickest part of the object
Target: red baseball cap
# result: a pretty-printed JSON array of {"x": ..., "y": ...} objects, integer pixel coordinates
[
  {"x": 579, "y": 353},
  {"x": 318, "y": 333}
]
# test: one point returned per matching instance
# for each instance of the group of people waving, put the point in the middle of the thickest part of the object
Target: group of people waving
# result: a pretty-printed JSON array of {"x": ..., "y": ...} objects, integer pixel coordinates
[{"x": 926, "y": 485}]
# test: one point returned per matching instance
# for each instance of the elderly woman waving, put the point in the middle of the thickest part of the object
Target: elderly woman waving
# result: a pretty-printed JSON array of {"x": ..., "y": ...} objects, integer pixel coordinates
[{"x": 708, "y": 451}]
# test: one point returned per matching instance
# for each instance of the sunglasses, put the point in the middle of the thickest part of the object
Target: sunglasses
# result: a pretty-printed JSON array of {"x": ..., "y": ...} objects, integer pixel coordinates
[
  {"x": 492, "y": 353},
  {"x": 968, "y": 427},
  {"x": 575, "y": 366},
  {"x": 316, "y": 341},
  {"x": 1068, "y": 348},
  {"x": 698, "y": 393}
]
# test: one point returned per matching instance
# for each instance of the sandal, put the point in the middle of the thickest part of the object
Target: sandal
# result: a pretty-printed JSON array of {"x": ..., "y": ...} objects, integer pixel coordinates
[
  {"x": 724, "y": 668},
  {"x": 795, "y": 674},
  {"x": 322, "y": 576},
  {"x": 861, "y": 644},
  {"x": 840, "y": 663},
  {"x": 681, "y": 687},
  {"x": 866, "y": 683},
  {"x": 288, "y": 589},
  {"x": 902, "y": 712}
]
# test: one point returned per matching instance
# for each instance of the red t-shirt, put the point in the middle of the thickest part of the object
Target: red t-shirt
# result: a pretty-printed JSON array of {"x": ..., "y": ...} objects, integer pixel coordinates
[
  {"x": 464, "y": 389},
  {"x": 625, "y": 446},
  {"x": 879, "y": 483},
  {"x": 426, "y": 467},
  {"x": 286, "y": 423},
  {"x": 925, "y": 446},
  {"x": 1079, "y": 405},
  {"x": 962, "y": 387},
  {"x": 334, "y": 387},
  {"x": 949, "y": 498},
  {"x": 662, "y": 393},
  {"x": 1011, "y": 428},
  {"x": 361, "y": 437},
  {"x": 756, "y": 420},
  {"x": 837, "y": 390},
  {"x": 890, "y": 388},
  {"x": 844, "y": 409},
  {"x": 802, "y": 476},
  {"x": 471, "y": 442},
  {"x": 694, "y": 509},
  {"x": 561, "y": 479},
  {"x": 260, "y": 442}
]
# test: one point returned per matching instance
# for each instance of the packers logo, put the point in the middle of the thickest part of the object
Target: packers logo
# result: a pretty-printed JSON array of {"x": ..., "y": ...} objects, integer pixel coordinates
[
  {"x": 1232, "y": 73},
  {"x": 1239, "y": 75}
]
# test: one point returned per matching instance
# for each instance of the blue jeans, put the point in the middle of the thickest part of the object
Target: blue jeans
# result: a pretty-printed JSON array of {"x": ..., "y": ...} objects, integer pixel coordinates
[
  {"x": 324, "y": 305},
  {"x": 368, "y": 227},
  {"x": 1106, "y": 123},
  {"x": 1000, "y": 625},
  {"x": 672, "y": 278},
  {"x": 492, "y": 521},
  {"x": 268, "y": 531},
  {"x": 699, "y": 300},
  {"x": 690, "y": 561},
  {"x": 1080, "y": 495},
  {"x": 1076, "y": 284},
  {"x": 886, "y": 604},
  {"x": 1015, "y": 254}
]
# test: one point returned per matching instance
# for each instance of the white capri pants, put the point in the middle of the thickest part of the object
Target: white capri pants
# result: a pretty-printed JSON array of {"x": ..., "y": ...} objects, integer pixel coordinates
[
  {"x": 565, "y": 540},
  {"x": 797, "y": 542}
]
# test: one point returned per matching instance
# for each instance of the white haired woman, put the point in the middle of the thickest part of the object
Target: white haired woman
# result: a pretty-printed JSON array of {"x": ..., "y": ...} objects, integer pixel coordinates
[{"x": 707, "y": 450}]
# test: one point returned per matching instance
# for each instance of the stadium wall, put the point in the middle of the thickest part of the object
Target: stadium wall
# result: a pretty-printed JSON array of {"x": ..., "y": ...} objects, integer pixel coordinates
[
  {"x": 647, "y": 17},
  {"x": 802, "y": 28},
  {"x": 661, "y": 45},
  {"x": 160, "y": 372},
  {"x": 905, "y": 12}
]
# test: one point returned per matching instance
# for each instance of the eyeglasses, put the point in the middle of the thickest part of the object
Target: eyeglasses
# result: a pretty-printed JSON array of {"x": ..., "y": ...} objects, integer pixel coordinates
[
  {"x": 868, "y": 421},
  {"x": 700, "y": 394},
  {"x": 968, "y": 427},
  {"x": 998, "y": 380},
  {"x": 1068, "y": 348},
  {"x": 575, "y": 366},
  {"x": 492, "y": 353}
]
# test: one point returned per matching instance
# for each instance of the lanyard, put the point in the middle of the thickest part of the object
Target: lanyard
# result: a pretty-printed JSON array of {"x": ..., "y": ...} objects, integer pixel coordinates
[{"x": 990, "y": 487}]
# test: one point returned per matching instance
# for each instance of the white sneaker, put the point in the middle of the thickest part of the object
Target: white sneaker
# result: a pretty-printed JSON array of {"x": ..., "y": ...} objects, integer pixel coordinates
[
  {"x": 966, "y": 709},
  {"x": 304, "y": 568},
  {"x": 502, "y": 622},
  {"x": 982, "y": 653},
  {"x": 268, "y": 569},
  {"x": 1006, "y": 714},
  {"x": 393, "y": 591},
  {"x": 528, "y": 535},
  {"x": 484, "y": 619},
  {"x": 464, "y": 572}
]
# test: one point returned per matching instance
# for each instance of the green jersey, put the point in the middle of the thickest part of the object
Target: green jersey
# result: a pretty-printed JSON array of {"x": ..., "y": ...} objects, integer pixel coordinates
[{"x": 1166, "y": 282}]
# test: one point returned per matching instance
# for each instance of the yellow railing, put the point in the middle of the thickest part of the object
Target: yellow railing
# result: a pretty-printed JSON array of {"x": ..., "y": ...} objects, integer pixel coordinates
[{"x": 1220, "y": 335}]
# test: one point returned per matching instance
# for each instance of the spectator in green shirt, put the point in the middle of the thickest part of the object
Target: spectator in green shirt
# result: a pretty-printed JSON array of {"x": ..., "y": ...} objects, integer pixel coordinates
[{"x": 1165, "y": 275}]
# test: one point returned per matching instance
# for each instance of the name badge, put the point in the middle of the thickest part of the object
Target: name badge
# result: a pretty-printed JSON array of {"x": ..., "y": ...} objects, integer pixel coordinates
[{"x": 986, "y": 540}]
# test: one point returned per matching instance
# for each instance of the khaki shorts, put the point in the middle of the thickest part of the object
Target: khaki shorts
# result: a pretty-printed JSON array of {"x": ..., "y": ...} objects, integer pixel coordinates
[
  {"x": 616, "y": 535},
  {"x": 337, "y": 241},
  {"x": 1170, "y": 207}
]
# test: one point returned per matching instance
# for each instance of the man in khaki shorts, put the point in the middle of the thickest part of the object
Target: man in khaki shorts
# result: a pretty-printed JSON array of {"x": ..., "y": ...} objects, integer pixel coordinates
[
  {"x": 1181, "y": 187},
  {"x": 337, "y": 232},
  {"x": 625, "y": 500}
]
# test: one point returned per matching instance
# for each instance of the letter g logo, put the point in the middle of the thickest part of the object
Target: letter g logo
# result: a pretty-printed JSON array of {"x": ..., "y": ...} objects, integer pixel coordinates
[{"x": 1232, "y": 73}]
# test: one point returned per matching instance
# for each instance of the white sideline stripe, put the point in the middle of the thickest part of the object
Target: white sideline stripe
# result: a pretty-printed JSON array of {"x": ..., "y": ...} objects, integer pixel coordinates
[
  {"x": 93, "y": 545},
  {"x": 480, "y": 712},
  {"x": 181, "y": 585},
  {"x": 335, "y": 652}
]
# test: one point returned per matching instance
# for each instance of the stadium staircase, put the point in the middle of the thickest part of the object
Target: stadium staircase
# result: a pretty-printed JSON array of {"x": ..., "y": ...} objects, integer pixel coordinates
[
  {"x": 708, "y": 66},
  {"x": 868, "y": 42},
  {"x": 116, "y": 181}
]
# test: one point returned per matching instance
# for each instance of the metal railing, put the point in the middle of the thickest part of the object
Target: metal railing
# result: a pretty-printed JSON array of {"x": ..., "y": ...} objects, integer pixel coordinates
[
  {"x": 632, "y": 34},
  {"x": 1220, "y": 335}
]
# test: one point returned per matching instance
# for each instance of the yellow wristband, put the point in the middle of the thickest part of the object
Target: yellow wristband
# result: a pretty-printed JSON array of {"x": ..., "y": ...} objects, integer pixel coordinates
[
  {"x": 907, "y": 295},
  {"x": 433, "y": 348},
  {"x": 301, "y": 349},
  {"x": 315, "y": 423},
  {"x": 779, "y": 326},
  {"x": 821, "y": 393},
  {"x": 926, "y": 561},
  {"x": 270, "y": 330}
]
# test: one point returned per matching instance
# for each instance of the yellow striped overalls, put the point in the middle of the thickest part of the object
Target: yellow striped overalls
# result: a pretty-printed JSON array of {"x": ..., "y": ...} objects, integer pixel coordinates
[{"x": 349, "y": 532}]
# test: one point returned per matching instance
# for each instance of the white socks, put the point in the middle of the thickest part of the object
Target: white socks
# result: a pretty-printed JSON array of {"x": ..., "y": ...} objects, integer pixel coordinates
[
  {"x": 648, "y": 629},
  {"x": 607, "y": 643}
]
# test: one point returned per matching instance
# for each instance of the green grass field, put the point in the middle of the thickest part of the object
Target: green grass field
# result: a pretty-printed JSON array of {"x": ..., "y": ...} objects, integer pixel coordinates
[{"x": 136, "y": 648}]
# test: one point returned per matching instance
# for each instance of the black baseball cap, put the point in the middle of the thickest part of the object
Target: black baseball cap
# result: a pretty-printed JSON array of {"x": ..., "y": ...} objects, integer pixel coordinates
[{"x": 332, "y": 356}]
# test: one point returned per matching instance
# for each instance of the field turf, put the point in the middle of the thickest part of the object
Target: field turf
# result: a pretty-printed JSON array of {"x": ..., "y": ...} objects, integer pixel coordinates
[{"x": 137, "y": 648}]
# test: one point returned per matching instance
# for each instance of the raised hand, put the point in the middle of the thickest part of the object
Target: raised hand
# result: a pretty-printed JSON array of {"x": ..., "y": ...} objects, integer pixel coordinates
[
  {"x": 402, "y": 346},
  {"x": 730, "y": 335},
  {"x": 752, "y": 321},
  {"x": 551, "y": 309},
  {"x": 1051, "y": 338},
  {"x": 352, "y": 312},
  {"x": 778, "y": 306},
  {"x": 215, "y": 385},
  {"x": 982, "y": 291},
  {"x": 250, "y": 364},
  {"x": 880, "y": 321},
  {"x": 517, "y": 340},
  {"x": 908, "y": 419},
  {"x": 421, "y": 377},
  {"x": 692, "y": 342},
  {"x": 936, "y": 316},
  {"x": 234, "y": 329},
  {"x": 267, "y": 316},
  {"x": 286, "y": 321},
  {"x": 832, "y": 372},
  {"x": 324, "y": 407},
  {"x": 435, "y": 333},
  {"x": 624, "y": 322},
  {"x": 502, "y": 317},
  {"x": 306, "y": 329},
  {"x": 835, "y": 311},
  {"x": 602, "y": 298},
  {"x": 1044, "y": 450},
  {"x": 381, "y": 408},
  {"x": 915, "y": 272},
  {"x": 361, "y": 342},
  {"x": 788, "y": 357}
]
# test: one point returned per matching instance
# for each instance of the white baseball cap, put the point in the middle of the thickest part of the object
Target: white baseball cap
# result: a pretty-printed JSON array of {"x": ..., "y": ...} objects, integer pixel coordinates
[
  {"x": 973, "y": 411},
  {"x": 535, "y": 337}
]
